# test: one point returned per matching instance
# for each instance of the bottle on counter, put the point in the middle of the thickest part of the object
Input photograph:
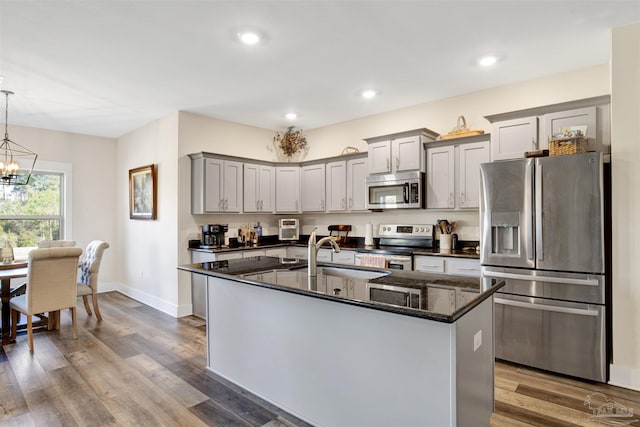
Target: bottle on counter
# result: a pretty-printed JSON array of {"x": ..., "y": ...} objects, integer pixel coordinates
[
  {"x": 258, "y": 229},
  {"x": 454, "y": 241}
]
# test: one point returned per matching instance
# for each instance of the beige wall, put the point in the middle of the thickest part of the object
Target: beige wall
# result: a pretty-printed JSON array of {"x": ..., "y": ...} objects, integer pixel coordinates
[
  {"x": 625, "y": 165},
  {"x": 148, "y": 250},
  {"x": 93, "y": 161}
]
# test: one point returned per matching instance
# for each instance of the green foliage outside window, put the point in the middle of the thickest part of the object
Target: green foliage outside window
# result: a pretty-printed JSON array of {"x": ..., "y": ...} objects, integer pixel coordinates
[{"x": 33, "y": 212}]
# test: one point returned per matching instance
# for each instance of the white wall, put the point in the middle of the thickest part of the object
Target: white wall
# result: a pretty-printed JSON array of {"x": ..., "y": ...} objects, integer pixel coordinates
[
  {"x": 148, "y": 250},
  {"x": 93, "y": 162},
  {"x": 625, "y": 165}
]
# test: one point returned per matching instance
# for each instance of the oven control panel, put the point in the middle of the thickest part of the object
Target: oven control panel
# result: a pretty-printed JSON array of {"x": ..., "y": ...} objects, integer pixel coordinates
[{"x": 406, "y": 231}]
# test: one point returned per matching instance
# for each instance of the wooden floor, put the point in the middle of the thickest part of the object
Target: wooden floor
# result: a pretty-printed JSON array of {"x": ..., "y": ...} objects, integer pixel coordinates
[{"x": 144, "y": 368}]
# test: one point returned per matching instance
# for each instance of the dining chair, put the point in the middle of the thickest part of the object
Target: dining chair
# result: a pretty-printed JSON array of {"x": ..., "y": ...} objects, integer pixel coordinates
[
  {"x": 89, "y": 268},
  {"x": 51, "y": 286},
  {"x": 43, "y": 244}
]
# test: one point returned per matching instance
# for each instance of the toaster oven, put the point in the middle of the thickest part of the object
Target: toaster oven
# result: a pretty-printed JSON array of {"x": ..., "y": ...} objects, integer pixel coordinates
[{"x": 289, "y": 229}]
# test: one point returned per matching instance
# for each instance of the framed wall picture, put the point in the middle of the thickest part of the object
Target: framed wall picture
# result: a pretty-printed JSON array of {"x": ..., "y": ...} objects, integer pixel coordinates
[{"x": 143, "y": 192}]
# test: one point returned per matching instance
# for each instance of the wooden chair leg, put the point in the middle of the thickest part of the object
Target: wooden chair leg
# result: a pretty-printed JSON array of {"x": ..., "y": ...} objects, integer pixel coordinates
[
  {"x": 51, "y": 320},
  {"x": 85, "y": 299},
  {"x": 74, "y": 322},
  {"x": 94, "y": 297},
  {"x": 15, "y": 314},
  {"x": 58, "y": 315},
  {"x": 30, "y": 331}
]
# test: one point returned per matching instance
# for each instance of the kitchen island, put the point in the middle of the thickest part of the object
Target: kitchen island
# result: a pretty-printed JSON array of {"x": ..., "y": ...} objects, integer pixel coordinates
[{"x": 323, "y": 350}]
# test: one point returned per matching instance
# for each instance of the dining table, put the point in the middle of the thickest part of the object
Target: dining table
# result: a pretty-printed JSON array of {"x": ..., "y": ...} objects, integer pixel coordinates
[{"x": 9, "y": 271}]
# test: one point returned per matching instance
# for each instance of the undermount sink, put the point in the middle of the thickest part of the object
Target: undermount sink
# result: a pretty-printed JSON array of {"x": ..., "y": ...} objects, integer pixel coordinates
[{"x": 349, "y": 273}]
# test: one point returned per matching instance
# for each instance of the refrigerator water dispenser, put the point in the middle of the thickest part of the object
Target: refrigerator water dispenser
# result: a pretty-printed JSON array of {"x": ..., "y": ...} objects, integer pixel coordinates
[{"x": 505, "y": 232}]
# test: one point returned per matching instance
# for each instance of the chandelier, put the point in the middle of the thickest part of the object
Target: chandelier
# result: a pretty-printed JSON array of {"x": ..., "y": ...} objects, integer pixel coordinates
[{"x": 14, "y": 158}]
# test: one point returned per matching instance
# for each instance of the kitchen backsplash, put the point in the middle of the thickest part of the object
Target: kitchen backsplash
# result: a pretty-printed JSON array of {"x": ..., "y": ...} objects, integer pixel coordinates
[{"x": 467, "y": 222}]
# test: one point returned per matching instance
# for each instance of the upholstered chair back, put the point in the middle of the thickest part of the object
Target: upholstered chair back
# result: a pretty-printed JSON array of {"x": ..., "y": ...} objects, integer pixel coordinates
[
  {"x": 51, "y": 279},
  {"x": 43, "y": 244},
  {"x": 90, "y": 263}
]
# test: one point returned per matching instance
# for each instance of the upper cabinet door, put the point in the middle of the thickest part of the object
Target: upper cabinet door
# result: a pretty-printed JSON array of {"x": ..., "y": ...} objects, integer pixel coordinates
[
  {"x": 471, "y": 156},
  {"x": 441, "y": 177},
  {"x": 288, "y": 189},
  {"x": 313, "y": 197},
  {"x": 251, "y": 188},
  {"x": 232, "y": 186},
  {"x": 553, "y": 122},
  {"x": 407, "y": 154},
  {"x": 510, "y": 139},
  {"x": 380, "y": 157},
  {"x": 337, "y": 186},
  {"x": 356, "y": 189},
  {"x": 267, "y": 189},
  {"x": 213, "y": 185}
]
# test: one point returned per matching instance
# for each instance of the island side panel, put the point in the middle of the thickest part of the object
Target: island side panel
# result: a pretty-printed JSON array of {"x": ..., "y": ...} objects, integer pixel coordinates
[
  {"x": 475, "y": 366},
  {"x": 328, "y": 363}
]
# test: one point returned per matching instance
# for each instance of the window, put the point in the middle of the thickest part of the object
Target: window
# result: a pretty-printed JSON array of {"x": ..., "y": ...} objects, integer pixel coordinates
[{"x": 33, "y": 212}]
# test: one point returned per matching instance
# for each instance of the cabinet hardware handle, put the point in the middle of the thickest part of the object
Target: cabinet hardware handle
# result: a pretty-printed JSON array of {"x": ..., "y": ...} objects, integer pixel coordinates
[
  {"x": 343, "y": 203},
  {"x": 257, "y": 205},
  {"x": 261, "y": 205},
  {"x": 350, "y": 202},
  {"x": 388, "y": 164},
  {"x": 397, "y": 163},
  {"x": 221, "y": 204},
  {"x": 533, "y": 143},
  {"x": 322, "y": 204},
  {"x": 450, "y": 199},
  {"x": 463, "y": 199}
]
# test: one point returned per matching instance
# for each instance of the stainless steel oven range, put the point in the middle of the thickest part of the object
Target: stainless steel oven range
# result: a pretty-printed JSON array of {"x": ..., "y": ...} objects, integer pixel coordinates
[{"x": 396, "y": 245}]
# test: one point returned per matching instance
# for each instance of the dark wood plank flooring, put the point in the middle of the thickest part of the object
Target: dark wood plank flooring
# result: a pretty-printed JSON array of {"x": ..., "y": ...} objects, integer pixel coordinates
[{"x": 142, "y": 367}]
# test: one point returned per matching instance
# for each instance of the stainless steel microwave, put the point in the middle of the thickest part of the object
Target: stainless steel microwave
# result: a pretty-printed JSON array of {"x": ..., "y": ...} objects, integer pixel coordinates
[{"x": 395, "y": 191}]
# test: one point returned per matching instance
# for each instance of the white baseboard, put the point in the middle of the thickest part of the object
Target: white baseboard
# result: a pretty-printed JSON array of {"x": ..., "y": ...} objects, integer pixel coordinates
[
  {"x": 623, "y": 376},
  {"x": 150, "y": 300}
]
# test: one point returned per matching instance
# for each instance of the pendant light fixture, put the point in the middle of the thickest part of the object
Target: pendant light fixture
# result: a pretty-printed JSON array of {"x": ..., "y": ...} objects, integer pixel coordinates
[{"x": 16, "y": 162}]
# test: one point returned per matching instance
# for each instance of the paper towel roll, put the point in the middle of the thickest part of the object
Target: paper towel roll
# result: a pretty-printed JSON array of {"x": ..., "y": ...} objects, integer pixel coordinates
[{"x": 368, "y": 234}]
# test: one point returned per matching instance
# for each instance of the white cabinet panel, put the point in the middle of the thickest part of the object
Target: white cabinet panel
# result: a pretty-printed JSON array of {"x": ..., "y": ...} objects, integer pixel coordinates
[
  {"x": 336, "y": 186},
  {"x": 313, "y": 188},
  {"x": 216, "y": 185},
  {"x": 253, "y": 252},
  {"x": 380, "y": 157},
  {"x": 287, "y": 189},
  {"x": 429, "y": 264},
  {"x": 463, "y": 267},
  {"x": 232, "y": 186},
  {"x": 553, "y": 122},
  {"x": 356, "y": 189},
  {"x": 259, "y": 188},
  {"x": 447, "y": 265},
  {"x": 324, "y": 255},
  {"x": 275, "y": 252},
  {"x": 407, "y": 154},
  {"x": 298, "y": 252},
  {"x": 441, "y": 177},
  {"x": 470, "y": 158},
  {"x": 510, "y": 139},
  {"x": 344, "y": 257}
]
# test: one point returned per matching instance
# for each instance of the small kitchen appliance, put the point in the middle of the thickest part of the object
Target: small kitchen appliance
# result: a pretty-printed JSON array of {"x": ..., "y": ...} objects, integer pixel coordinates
[
  {"x": 212, "y": 235},
  {"x": 340, "y": 232},
  {"x": 289, "y": 229}
]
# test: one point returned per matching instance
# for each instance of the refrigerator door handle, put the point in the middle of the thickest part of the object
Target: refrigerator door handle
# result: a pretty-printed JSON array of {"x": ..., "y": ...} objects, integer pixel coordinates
[
  {"x": 545, "y": 307},
  {"x": 528, "y": 178},
  {"x": 548, "y": 279},
  {"x": 539, "y": 189}
]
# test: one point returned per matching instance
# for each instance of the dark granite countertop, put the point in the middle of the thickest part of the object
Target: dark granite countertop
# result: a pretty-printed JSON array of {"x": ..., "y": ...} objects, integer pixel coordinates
[{"x": 445, "y": 298}]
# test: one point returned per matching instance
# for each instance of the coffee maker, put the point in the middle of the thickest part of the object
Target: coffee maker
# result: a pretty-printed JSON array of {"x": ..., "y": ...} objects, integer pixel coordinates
[{"x": 212, "y": 235}]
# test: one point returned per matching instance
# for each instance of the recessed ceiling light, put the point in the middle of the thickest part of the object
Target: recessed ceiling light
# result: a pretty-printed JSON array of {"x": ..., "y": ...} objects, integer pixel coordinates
[
  {"x": 368, "y": 94},
  {"x": 291, "y": 116},
  {"x": 488, "y": 61},
  {"x": 249, "y": 37}
]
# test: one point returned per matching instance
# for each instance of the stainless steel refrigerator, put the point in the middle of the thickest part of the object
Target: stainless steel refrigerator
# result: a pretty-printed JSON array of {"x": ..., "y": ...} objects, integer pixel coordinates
[{"x": 543, "y": 225}]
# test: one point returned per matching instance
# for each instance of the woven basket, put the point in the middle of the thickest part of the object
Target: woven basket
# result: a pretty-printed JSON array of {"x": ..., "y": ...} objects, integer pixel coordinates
[
  {"x": 558, "y": 147},
  {"x": 461, "y": 130}
]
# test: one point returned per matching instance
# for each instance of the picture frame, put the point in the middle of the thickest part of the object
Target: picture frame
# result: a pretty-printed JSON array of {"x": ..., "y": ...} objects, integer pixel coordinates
[{"x": 143, "y": 192}]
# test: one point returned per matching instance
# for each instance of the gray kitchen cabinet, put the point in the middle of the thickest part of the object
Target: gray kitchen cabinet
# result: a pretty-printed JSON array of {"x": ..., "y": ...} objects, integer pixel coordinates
[
  {"x": 510, "y": 139},
  {"x": 299, "y": 252},
  {"x": 553, "y": 122},
  {"x": 400, "y": 152},
  {"x": 336, "y": 186},
  {"x": 344, "y": 257},
  {"x": 441, "y": 177},
  {"x": 441, "y": 300},
  {"x": 287, "y": 189},
  {"x": 275, "y": 252},
  {"x": 356, "y": 189},
  {"x": 313, "y": 187},
  {"x": 453, "y": 173},
  {"x": 324, "y": 255},
  {"x": 337, "y": 285},
  {"x": 358, "y": 290},
  {"x": 248, "y": 253},
  {"x": 199, "y": 281},
  {"x": 216, "y": 185},
  {"x": 259, "y": 188},
  {"x": 345, "y": 185},
  {"x": 447, "y": 265}
]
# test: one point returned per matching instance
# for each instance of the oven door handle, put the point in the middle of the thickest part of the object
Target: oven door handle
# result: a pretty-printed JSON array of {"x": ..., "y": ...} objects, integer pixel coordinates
[
  {"x": 545, "y": 307},
  {"x": 549, "y": 279}
]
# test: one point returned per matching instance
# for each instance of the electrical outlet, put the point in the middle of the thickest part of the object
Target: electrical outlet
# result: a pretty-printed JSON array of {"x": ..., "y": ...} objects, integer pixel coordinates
[{"x": 477, "y": 340}]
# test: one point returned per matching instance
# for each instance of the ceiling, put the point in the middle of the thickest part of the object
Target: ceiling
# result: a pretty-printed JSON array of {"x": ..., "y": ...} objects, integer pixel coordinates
[{"x": 108, "y": 67}]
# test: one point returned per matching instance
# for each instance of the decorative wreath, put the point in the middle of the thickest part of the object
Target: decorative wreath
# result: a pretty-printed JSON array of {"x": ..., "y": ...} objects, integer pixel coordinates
[{"x": 291, "y": 142}]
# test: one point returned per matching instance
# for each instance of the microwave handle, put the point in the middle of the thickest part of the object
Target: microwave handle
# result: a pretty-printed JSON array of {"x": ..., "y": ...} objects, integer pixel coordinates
[{"x": 405, "y": 192}]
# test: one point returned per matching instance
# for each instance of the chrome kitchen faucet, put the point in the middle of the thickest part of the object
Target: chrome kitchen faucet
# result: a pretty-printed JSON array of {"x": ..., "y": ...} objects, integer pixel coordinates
[{"x": 315, "y": 247}]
